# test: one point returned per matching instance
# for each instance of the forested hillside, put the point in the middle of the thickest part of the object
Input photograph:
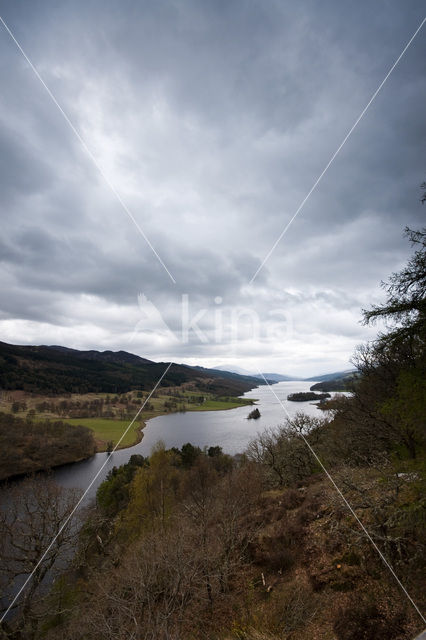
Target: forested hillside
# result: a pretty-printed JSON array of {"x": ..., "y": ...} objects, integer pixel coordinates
[
  {"x": 340, "y": 383},
  {"x": 57, "y": 370}
]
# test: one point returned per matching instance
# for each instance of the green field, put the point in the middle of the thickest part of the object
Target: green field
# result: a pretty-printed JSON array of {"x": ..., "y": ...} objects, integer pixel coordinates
[{"x": 106, "y": 429}]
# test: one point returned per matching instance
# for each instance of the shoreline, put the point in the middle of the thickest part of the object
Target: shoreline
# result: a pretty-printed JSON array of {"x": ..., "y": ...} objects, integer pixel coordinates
[
  {"x": 156, "y": 414},
  {"x": 101, "y": 445},
  {"x": 34, "y": 472}
]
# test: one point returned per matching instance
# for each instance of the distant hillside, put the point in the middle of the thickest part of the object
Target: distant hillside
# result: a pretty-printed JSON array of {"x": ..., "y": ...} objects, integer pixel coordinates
[
  {"x": 331, "y": 376},
  {"x": 271, "y": 377},
  {"x": 233, "y": 368},
  {"x": 58, "y": 370},
  {"x": 278, "y": 377},
  {"x": 340, "y": 383},
  {"x": 232, "y": 375}
]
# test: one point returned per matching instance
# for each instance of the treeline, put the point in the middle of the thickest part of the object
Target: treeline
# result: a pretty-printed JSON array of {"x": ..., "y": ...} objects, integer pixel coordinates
[
  {"x": 109, "y": 407},
  {"x": 26, "y": 446}
]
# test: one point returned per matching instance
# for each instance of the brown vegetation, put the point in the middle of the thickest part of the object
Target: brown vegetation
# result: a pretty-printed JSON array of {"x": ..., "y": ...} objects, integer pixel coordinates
[
  {"x": 197, "y": 553},
  {"x": 36, "y": 537}
]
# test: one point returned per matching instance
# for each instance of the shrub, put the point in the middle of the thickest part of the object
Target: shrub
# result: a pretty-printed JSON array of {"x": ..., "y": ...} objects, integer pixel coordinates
[
  {"x": 362, "y": 619},
  {"x": 291, "y": 499},
  {"x": 291, "y": 609},
  {"x": 277, "y": 557}
]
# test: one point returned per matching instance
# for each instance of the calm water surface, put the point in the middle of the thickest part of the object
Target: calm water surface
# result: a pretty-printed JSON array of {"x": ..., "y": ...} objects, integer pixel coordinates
[{"x": 229, "y": 429}]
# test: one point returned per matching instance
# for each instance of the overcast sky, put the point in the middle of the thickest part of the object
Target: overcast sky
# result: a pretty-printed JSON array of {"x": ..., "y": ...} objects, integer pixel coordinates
[{"x": 211, "y": 120}]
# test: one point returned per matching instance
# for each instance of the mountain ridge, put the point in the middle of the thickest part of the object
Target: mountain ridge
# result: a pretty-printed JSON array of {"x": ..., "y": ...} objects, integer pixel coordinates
[
  {"x": 331, "y": 376},
  {"x": 272, "y": 377},
  {"x": 281, "y": 377},
  {"x": 57, "y": 370},
  {"x": 107, "y": 356}
]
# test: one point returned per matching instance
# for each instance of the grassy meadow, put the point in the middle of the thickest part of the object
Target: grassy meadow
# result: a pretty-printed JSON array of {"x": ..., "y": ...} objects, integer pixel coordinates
[{"x": 108, "y": 429}]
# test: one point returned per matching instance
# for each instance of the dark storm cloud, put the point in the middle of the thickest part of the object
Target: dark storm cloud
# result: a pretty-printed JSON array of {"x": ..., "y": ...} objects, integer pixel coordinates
[
  {"x": 22, "y": 172},
  {"x": 212, "y": 120}
]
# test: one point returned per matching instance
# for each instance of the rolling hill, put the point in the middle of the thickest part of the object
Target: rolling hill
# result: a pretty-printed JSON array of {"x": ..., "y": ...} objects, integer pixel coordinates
[{"x": 57, "y": 370}]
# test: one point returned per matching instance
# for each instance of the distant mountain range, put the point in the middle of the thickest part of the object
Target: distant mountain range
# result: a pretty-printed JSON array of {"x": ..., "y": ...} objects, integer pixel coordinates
[
  {"x": 232, "y": 375},
  {"x": 279, "y": 377},
  {"x": 271, "y": 377},
  {"x": 58, "y": 370}
]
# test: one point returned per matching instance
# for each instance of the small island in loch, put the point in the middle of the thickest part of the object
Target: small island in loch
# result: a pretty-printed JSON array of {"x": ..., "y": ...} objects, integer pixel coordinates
[
  {"x": 254, "y": 415},
  {"x": 305, "y": 396}
]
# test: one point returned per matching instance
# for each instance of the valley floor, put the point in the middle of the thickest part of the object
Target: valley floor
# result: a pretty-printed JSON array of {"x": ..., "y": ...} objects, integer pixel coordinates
[{"x": 108, "y": 416}]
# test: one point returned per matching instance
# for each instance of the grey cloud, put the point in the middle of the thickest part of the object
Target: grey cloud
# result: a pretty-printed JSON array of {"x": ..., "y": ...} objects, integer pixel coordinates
[
  {"x": 212, "y": 121},
  {"x": 22, "y": 172}
]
